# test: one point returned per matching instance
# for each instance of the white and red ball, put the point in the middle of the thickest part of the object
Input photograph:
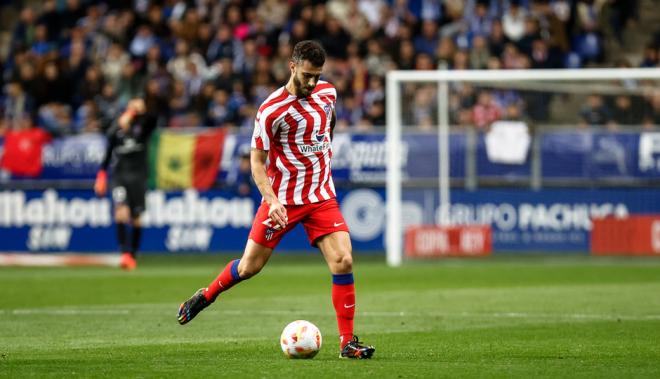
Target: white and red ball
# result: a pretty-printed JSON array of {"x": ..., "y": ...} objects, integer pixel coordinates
[{"x": 301, "y": 339}]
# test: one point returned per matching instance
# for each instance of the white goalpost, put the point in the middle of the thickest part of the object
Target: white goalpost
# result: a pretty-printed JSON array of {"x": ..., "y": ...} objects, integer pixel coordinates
[{"x": 443, "y": 78}]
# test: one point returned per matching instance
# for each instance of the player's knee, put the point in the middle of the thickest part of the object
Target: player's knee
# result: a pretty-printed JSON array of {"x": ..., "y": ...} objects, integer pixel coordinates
[
  {"x": 122, "y": 214},
  {"x": 344, "y": 262}
]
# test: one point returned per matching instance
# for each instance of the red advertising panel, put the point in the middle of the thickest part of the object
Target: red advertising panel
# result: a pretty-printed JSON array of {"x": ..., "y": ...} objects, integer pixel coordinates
[
  {"x": 448, "y": 241},
  {"x": 634, "y": 235}
]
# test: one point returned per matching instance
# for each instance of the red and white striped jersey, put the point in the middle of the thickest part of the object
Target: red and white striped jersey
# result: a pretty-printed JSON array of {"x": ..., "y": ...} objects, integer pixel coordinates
[{"x": 296, "y": 133}]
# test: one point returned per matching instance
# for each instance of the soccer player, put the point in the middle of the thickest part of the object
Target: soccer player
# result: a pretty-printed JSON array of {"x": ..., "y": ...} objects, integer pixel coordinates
[
  {"x": 128, "y": 139},
  {"x": 293, "y": 131}
]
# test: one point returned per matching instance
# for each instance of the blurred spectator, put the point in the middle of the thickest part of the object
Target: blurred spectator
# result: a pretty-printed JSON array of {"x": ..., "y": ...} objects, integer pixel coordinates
[
  {"x": 348, "y": 113},
  {"x": 652, "y": 111},
  {"x": 276, "y": 12},
  {"x": 531, "y": 34},
  {"x": 486, "y": 111},
  {"x": 594, "y": 112},
  {"x": 461, "y": 60},
  {"x": 220, "y": 111},
  {"x": 552, "y": 27},
  {"x": 179, "y": 100},
  {"x": 24, "y": 30},
  {"x": 497, "y": 40},
  {"x": 376, "y": 113},
  {"x": 373, "y": 9},
  {"x": 374, "y": 93},
  {"x": 180, "y": 65},
  {"x": 513, "y": 21},
  {"x": 650, "y": 56},
  {"x": 335, "y": 39},
  {"x": 479, "y": 54},
  {"x": 345, "y": 16},
  {"x": 406, "y": 56},
  {"x": 587, "y": 42},
  {"x": 424, "y": 113},
  {"x": 131, "y": 84},
  {"x": 426, "y": 42},
  {"x": 225, "y": 45},
  {"x": 623, "y": 112},
  {"x": 52, "y": 88},
  {"x": 16, "y": 105},
  {"x": 114, "y": 63},
  {"x": 378, "y": 63},
  {"x": 91, "y": 86},
  {"x": 56, "y": 118},
  {"x": 179, "y": 54},
  {"x": 86, "y": 119},
  {"x": 41, "y": 45},
  {"x": 49, "y": 20},
  {"x": 445, "y": 52},
  {"x": 107, "y": 106},
  {"x": 543, "y": 56},
  {"x": 157, "y": 22},
  {"x": 480, "y": 22},
  {"x": 239, "y": 176},
  {"x": 143, "y": 40},
  {"x": 27, "y": 76}
]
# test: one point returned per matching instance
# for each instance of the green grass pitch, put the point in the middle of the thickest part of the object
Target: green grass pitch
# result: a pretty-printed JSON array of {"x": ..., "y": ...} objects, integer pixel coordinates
[{"x": 503, "y": 317}]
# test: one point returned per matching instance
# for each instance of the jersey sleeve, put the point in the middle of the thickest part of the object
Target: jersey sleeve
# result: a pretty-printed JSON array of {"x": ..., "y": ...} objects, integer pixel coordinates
[
  {"x": 111, "y": 142},
  {"x": 264, "y": 129}
]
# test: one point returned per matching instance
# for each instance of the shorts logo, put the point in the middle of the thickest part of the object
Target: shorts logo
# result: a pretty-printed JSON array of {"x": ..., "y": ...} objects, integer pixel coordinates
[
  {"x": 269, "y": 233},
  {"x": 119, "y": 194}
]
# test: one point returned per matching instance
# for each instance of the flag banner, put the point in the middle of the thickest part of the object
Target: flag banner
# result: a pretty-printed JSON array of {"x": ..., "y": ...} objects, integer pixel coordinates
[{"x": 181, "y": 159}]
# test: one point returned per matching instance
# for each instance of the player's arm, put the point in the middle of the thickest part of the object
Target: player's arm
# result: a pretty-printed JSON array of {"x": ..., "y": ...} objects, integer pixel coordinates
[
  {"x": 277, "y": 212},
  {"x": 101, "y": 182},
  {"x": 333, "y": 121}
]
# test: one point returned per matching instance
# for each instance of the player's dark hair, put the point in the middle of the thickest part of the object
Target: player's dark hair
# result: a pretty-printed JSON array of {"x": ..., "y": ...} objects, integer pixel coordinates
[{"x": 308, "y": 50}]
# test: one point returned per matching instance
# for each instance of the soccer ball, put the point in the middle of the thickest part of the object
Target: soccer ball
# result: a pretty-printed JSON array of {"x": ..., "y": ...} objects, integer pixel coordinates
[{"x": 301, "y": 340}]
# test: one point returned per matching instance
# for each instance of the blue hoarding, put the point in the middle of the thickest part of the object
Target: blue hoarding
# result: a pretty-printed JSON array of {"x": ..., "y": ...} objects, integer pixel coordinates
[{"x": 522, "y": 220}]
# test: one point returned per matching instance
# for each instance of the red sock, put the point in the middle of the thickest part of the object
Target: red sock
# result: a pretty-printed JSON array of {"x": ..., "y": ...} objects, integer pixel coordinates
[
  {"x": 227, "y": 278},
  {"x": 343, "y": 298}
]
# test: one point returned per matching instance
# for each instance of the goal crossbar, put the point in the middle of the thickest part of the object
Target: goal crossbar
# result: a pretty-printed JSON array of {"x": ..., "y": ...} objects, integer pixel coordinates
[{"x": 540, "y": 74}]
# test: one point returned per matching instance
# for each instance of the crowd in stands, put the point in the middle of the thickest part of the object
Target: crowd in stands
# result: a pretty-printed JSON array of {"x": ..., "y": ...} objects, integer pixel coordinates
[{"x": 73, "y": 65}]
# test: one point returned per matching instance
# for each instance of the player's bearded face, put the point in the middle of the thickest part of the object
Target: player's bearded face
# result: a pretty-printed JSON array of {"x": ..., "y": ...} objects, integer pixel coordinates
[{"x": 305, "y": 78}]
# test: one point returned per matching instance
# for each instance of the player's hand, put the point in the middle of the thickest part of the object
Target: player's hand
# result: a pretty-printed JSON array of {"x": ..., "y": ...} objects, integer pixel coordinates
[
  {"x": 137, "y": 105},
  {"x": 277, "y": 213},
  {"x": 101, "y": 183},
  {"x": 134, "y": 107}
]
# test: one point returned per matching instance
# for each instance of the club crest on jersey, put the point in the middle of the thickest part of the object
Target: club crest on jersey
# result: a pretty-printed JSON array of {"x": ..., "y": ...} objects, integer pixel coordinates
[
  {"x": 327, "y": 109},
  {"x": 269, "y": 233}
]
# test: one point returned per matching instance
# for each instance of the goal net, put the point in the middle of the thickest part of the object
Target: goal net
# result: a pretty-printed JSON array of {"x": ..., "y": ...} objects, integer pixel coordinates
[{"x": 515, "y": 134}]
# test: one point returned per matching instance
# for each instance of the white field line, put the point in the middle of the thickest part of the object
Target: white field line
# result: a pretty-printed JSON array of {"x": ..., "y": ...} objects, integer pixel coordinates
[
  {"x": 58, "y": 260},
  {"x": 477, "y": 315},
  {"x": 65, "y": 312}
]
